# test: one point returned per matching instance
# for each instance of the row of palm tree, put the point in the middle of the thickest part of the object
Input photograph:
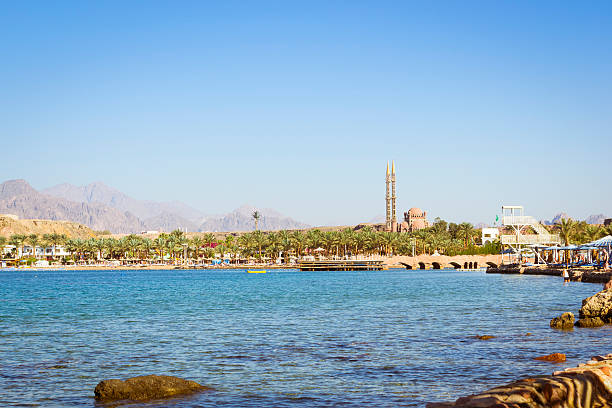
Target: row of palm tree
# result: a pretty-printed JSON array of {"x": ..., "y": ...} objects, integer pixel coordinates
[
  {"x": 442, "y": 237},
  {"x": 579, "y": 232}
]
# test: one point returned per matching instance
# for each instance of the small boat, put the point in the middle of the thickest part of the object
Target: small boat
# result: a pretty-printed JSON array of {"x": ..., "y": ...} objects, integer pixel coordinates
[{"x": 256, "y": 271}]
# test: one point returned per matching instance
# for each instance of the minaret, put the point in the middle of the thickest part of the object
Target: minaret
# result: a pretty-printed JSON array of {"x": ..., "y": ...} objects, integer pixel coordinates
[
  {"x": 388, "y": 201},
  {"x": 393, "y": 197}
]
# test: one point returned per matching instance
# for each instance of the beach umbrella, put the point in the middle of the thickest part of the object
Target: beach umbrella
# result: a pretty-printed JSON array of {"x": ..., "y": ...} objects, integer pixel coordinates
[{"x": 604, "y": 242}]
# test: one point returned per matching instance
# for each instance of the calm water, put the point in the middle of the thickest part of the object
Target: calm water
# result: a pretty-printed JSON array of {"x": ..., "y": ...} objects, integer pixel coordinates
[{"x": 391, "y": 338}]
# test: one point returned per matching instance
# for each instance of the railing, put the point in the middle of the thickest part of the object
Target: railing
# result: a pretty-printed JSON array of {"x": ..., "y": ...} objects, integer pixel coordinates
[
  {"x": 544, "y": 239},
  {"x": 525, "y": 220}
]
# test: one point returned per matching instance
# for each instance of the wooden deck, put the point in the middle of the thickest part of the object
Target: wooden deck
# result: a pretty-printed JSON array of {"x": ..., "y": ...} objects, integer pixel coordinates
[{"x": 342, "y": 265}]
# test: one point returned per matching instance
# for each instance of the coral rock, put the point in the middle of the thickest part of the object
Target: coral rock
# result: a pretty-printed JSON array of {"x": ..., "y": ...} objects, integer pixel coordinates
[
  {"x": 565, "y": 321},
  {"x": 598, "y": 305},
  {"x": 590, "y": 322},
  {"x": 554, "y": 358},
  {"x": 145, "y": 387}
]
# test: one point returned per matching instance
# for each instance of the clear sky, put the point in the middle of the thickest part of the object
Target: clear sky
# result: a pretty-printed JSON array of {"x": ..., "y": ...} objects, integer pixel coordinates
[{"x": 297, "y": 106}]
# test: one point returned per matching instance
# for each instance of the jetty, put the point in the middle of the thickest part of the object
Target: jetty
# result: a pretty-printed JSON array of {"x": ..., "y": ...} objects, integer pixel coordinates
[{"x": 341, "y": 265}]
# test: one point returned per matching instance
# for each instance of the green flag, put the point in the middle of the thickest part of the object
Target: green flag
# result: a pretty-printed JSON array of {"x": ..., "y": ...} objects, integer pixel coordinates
[{"x": 496, "y": 218}]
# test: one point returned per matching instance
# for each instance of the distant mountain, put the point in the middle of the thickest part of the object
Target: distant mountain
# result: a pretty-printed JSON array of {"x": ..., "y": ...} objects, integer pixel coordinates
[
  {"x": 19, "y": 198},
  {"x": 169, "y": 222},
  {"x": 591, "y": 219},
  {"x": 556, "y": 219},
  {"x": 103, "y": 208},
  {"x": 379, "y": 219},
  {"x": 241, "y": 219},
  {"x": 596, "y": 219},
  {"x": 99, "y": 192}
]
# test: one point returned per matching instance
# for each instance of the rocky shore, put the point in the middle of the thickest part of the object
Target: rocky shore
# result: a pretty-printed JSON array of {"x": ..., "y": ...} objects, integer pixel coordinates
[
  {"x": 588, "y": 385},
  {"x": 588, "y": 275}
]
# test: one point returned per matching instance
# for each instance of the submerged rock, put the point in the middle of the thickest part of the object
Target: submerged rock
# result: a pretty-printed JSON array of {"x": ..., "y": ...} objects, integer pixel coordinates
[
  {"x": 145, "y": 387},
  {"x": 590, "y": 322},
  {"x": 598, "y": 305},
  {"x": 553, "y": 358},
  {"x": 565, "y": 321},
  {"x": 485, "y": 337}
]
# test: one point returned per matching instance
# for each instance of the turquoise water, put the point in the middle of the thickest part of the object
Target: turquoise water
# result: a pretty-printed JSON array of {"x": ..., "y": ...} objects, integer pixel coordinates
[{"x": 286, "y": 338}]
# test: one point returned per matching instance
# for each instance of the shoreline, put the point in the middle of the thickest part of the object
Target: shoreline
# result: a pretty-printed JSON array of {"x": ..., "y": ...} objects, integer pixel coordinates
[{"x": 587, "y": 275}]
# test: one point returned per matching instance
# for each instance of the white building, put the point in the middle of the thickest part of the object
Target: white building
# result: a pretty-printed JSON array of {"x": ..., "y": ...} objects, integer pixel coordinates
[
  {"x": 41, "y": 252},
  {"x": 489, "y": 235}
]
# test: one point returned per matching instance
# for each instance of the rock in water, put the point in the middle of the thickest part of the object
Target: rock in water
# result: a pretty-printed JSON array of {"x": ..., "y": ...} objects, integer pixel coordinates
[
  {"x": 485, "y": 337},
  {"x": 553, "y": 358},
  {"x": 565, "y": 321},
  {"x": 598, "y": 305},
  {"x": 145, "y": 387},
  {"x": 590, "y": 322}
]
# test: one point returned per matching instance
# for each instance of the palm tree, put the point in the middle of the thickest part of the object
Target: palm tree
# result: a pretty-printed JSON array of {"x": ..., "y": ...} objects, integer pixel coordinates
[
  {"x": 465, "y": 232},
  {"x": 297, "y": 242},
  {"x": 55, "y": 239},
  {"x": 566, "y": 229},
  {"x": 285, "y": 243},
  {"x": 3, "y": 242},
  {"x": 196, "y": 244},
  {"x": 389, "y": 239},
  {"x": 256, "y": 216},
  {"x": 246, "y": 242},
  {"x": 72, "y": 246},
  {"x": 110, "y": 245},
  {"x": 259, "y": 240},
  {"x": 99, "y": 245},
  {"x": 33, "y": 240},
  {"x": 159, "y": 244},
  {"x": 591, "y": 233},
  {"x": 145, "y": 247}
]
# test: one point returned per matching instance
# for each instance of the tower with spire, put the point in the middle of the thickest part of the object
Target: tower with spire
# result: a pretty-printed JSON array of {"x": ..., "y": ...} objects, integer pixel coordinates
[
  {"x": 388, "y": 201},
  {"x": 391, "y": 217},
  {"x": 393, "y": 197}
]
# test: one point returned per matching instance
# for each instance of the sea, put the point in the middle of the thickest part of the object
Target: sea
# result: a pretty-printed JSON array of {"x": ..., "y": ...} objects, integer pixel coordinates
[{"x": 395, "y": 338}]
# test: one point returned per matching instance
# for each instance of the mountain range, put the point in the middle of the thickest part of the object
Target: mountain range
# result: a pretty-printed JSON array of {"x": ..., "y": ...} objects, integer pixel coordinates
[
  {"x": 101, "y": 207},
  {"x": 591, "y": 219}
]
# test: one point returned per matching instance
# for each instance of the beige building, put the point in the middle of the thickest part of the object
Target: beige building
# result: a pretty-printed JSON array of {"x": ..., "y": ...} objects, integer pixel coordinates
[{"x": 414, "y": 220}]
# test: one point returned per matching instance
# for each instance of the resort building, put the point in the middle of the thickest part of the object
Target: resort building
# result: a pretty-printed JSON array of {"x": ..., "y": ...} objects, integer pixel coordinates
[
  {"x": 41, "y": 252},
  {"x": 489, "y": 235}
]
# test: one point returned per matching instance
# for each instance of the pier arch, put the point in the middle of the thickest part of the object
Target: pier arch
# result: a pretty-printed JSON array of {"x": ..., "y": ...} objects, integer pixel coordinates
[
  {"x": 455, "y": 265},
  {"x": 465, "y": 265},
  {"x": 422, "y": 265},
  {"x": 436, "y": 265}
]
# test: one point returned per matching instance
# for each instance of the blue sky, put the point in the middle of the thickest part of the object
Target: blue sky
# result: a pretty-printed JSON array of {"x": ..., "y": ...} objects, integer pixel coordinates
[{"x": 297, "y": 106}]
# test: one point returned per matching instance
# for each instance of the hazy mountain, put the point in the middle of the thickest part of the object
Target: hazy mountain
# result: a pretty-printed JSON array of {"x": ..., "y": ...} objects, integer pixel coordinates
[
  {"x": 19, "y": 198},
  {"x": 556, "y": 219},
  {"x": 379, "y": 219},
  {"x": 169, "y": 222},
  {"x": 241, "y": 219},
  {"x": 103, "y": 208},
  {"x": 99, "y": 192},
  {"x": 596, "y": 219}
]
